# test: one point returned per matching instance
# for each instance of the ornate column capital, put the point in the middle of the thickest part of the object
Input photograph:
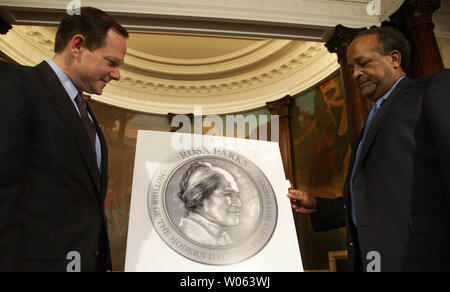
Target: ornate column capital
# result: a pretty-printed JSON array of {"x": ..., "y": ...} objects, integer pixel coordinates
[
  {"x": 356, "y": 104},
  {"x": 280, "y": 107},
  {"x": 4, "y": 26},
  {"x": 341, "y": 39},
  {"x": 414, "y": 13}
]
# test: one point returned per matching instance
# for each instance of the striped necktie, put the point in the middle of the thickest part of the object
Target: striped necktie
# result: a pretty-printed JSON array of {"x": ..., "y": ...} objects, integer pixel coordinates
[{"x": 88, "y": 124}]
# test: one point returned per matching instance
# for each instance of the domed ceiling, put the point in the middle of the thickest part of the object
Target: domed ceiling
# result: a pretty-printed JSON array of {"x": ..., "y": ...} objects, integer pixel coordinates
[
  {"x": 174, "y": 73},
  {"x": 171, "y": 68}
]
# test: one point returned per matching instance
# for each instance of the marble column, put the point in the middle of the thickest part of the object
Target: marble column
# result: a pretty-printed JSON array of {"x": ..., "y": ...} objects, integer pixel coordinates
[
  {"x": 414, "y": 18},
  {"x": 357, "y": 106},
  {"x": 281, "y": 108}
]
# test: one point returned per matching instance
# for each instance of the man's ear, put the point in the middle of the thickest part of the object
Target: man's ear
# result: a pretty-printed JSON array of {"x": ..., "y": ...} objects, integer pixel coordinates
[
  {"x": 76, "y": 44},
  {"x": 396, "y": 58}
]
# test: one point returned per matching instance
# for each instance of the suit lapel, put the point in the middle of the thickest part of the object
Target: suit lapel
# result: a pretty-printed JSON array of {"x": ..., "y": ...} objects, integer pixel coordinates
[
  {"x": 57, "y": 95},
  {"x": 399, "y": 92}
]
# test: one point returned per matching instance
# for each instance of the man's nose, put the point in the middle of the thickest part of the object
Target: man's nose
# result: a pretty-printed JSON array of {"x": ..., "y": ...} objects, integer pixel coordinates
[
  {"x": 356, "y": 73},
  {"x": 115, "y": 74}
]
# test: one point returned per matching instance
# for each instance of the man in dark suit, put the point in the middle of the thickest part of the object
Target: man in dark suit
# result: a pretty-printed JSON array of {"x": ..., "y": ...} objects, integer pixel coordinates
[
  {"x": 53, "y": 156},
  {"x": 396, "y": 203}
]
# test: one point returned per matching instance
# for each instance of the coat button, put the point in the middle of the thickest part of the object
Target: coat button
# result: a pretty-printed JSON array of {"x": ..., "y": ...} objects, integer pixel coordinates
[{"x": 351, "y": 244}]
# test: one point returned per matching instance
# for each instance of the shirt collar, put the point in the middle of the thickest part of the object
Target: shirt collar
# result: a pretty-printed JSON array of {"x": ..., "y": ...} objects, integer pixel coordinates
[
  {"x": 387, "y": 94},
  {"x": 65, "y": 80}
]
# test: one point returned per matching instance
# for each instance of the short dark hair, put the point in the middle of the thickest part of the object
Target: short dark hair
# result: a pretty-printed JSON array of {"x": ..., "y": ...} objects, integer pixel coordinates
[
  {"x": 391, "y": 39},
  {"x": 92, "y": 23}
]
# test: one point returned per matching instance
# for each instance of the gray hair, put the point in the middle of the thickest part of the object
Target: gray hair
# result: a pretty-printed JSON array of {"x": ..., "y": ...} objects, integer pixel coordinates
[
  {"x": 198, "y": 183},
  {"x": 391, "y": 39}
]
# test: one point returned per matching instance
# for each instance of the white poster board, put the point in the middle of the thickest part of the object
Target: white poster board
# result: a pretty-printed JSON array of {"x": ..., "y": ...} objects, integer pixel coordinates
[{"x": 219, "y": 205}]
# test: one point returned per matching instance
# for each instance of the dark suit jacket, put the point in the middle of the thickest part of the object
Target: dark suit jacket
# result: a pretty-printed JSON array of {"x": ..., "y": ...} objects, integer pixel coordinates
[
  {"x": 402, "y": 183},
  {"x": 51, "y": 203}
]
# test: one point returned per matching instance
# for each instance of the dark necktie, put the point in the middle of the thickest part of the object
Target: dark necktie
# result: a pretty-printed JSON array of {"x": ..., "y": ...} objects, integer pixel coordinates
[{"x": 88, "y": 124}]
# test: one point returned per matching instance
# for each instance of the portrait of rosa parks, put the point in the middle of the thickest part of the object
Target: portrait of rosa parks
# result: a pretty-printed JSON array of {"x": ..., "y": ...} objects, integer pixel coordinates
[
  {"x": 211, "y": 198},
  {"x": 213, "y": 202}
]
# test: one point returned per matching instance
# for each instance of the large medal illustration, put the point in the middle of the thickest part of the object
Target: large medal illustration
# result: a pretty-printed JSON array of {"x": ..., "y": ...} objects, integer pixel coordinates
[{"x": 212, "y": 206}]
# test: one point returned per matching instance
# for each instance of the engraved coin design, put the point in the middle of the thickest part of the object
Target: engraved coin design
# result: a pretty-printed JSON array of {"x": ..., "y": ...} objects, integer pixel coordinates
[{"x": 212, "y": 206}]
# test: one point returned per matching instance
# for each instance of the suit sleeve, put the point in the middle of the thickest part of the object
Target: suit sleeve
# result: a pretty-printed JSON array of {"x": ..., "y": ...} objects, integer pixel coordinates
[
  {"x": 437, "y": 110},
  {"x": 330, "y": 214},
  {"x": 14, "y": 129}
]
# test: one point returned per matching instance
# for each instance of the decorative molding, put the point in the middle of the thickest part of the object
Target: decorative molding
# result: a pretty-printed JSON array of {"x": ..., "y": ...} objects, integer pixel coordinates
[
  {"x": 26, "y": 45},
  {"x": 205, "y": 68},
  {"x": 240, "y": 81},
  {"x": 292, "y": 19},
  {"x": 299, "y": 54}
]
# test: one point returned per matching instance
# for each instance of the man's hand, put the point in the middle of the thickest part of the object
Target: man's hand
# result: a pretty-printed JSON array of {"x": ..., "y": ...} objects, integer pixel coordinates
[{"x": 302, "y": 202}]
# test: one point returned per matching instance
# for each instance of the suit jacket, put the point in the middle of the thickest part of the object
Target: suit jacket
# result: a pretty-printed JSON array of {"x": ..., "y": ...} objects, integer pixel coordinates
[
  {"x": 401, "y": 184},
  {"x": 51, "y": 200}
]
